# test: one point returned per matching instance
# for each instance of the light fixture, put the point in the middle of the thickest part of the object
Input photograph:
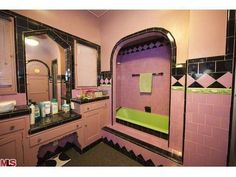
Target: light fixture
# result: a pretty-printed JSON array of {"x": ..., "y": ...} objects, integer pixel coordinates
[
  {"x": 31, "y": 42},
  {"x": 179, "y": 66},
  {"x": 170, "y": 37}
]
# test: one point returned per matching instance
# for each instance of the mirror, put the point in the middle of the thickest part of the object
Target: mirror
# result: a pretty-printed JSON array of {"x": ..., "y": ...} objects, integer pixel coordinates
[{"x": 45, "y": 69}]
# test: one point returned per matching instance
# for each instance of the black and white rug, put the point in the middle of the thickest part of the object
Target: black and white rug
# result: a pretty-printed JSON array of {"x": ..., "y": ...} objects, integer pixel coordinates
[{"x": 58, "y": 160}]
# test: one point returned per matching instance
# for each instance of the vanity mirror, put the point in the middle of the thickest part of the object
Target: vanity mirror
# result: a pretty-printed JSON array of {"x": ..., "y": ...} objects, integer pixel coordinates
[{"x": 47, "y": 76}]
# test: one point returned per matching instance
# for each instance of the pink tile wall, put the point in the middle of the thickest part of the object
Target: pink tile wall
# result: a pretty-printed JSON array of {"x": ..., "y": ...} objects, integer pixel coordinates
[
  {"x": 153, "y": 60},
  {"x": 19, "y": 97},
  {"x": 206, "y": 131},
  {"x": 176, "y": 120}
]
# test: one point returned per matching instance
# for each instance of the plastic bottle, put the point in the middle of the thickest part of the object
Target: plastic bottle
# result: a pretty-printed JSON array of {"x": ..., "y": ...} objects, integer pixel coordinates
[
  {"x": 54, "y": 106},
  {"x": 32, "y": 115},
  {"x": 65, "y": 107},
  {"x": 37, "y": 113},
  {"x": 42, "y": 109},
  {"x": 47, "y": 107}
]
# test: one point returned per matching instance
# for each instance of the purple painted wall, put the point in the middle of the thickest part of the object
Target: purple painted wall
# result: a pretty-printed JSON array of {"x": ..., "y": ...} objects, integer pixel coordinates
[{"x": 153, "y": 60}]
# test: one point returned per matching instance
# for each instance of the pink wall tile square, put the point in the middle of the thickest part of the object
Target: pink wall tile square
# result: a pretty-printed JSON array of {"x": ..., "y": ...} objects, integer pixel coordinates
[
  {"x": 204, "y": 130},
  {"x": 204, "y": 108}
]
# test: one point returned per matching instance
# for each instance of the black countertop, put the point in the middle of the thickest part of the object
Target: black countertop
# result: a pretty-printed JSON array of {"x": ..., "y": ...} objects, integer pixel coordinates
[
  {"x": 85, "y": 100},
  {"x": 53, "y": 121},
  {"x": 18, "y": 111}
]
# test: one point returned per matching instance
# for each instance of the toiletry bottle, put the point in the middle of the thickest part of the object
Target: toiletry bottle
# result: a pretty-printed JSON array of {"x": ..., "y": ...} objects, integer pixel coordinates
[
  {"x": 42, "y": 109},
  {"x": 47, "y": 107},
  {"x": 37, "y": 112},
  {"x": 32, "y": 115},
  {"x": 54, "y": 106},
  {"x": 65, "y": 107}
]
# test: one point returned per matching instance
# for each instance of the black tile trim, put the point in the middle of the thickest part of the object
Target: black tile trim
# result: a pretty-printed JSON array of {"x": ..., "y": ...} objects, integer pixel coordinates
[
  {"x": 87, "y": 148},
  {"x": 171, "y": 156},
  {"x": 143, "y": 129},
  {"x": 139, "y": 158}
]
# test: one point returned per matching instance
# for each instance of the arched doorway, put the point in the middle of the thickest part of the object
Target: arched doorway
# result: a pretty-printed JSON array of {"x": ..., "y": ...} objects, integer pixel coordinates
[{"x": 38, "y": 74}]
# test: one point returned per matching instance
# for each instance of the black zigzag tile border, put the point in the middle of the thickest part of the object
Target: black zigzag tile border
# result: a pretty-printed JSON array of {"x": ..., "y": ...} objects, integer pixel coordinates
[
  {"x": 171, "y": 156},
  {"x": 139, "y": 158}
]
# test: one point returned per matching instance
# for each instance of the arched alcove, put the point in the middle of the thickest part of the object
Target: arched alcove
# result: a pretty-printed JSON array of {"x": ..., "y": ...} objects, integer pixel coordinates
[{"x": 149, "y": 39}]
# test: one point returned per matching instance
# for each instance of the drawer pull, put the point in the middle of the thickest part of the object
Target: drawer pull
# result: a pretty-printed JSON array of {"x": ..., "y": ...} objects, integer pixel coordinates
[
  {"x": 77, "y": 126},
  {"x": 12, "y": 127},
  {"x": 39, "y": 140},
  {"x": 88, "y": 109},
  {"x": 85, "y": 125}
]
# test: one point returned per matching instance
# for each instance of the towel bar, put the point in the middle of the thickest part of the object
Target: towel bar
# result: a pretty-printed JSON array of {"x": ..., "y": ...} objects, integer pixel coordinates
[{"x": 154, "y": 74}]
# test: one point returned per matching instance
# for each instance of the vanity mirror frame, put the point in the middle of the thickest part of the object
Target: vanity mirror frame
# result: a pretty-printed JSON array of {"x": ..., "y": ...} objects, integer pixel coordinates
[{"x": 24, "y": 24}]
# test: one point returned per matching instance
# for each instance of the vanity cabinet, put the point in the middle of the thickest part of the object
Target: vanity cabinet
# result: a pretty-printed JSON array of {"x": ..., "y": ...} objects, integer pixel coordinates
[
  {"x": 12, "y": 139},
  {"x": 7, "y": 57},
  {"x": 11, "y": 147},
  {"x": 92, "y": 126},
  {"x": 95, "y": 117}
]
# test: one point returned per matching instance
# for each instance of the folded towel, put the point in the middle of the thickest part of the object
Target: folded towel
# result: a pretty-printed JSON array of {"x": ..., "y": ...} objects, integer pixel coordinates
[{"x": 145, "y": 82}]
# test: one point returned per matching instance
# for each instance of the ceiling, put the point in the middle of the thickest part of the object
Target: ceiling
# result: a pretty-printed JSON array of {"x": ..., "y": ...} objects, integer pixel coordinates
[{"x": 98, "y": 13}]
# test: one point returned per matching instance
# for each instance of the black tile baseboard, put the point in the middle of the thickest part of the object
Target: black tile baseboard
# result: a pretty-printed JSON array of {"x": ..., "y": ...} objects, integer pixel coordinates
[{"x": 171, "y": 156}]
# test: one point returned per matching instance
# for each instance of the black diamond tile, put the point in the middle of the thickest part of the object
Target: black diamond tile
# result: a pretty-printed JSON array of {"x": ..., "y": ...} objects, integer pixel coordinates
[
  {"x": 177, "y": 84},
  {"x": 195, "y": 84},
  {"x": 224, "y": 66},
  {"x": 216, "y": 75},
  {"x": 177, "y": 77},
  {"x": 208, "y": 67},
  {"x": 216, "y": 85}
]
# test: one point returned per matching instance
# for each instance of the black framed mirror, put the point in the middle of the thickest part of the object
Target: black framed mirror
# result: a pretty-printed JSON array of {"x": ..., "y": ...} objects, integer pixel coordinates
[{"x": 47, "y": 66}]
